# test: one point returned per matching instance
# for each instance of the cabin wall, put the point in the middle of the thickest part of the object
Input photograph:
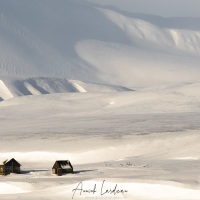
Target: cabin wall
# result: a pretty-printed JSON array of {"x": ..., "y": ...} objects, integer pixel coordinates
[
  {"x": 5, "y": 170},
  {"x": 67, "y": 170},
  {"x": 16, "y": 170},
  {"x": 1, "y": 170},
  {"x": 60, "y": 170},
  {"x": 54, "y": 171}
]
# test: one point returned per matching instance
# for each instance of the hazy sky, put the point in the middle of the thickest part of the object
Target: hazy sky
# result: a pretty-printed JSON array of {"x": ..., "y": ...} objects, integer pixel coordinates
[{"x": 166, "y": 8}]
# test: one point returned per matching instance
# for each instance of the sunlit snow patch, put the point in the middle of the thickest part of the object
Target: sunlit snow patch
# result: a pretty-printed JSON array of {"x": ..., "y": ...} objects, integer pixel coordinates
[{"x": 14, "y": 188}]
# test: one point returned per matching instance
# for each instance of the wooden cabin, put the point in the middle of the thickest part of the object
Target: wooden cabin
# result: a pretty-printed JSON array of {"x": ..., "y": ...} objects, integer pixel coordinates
[
  {"x": 62, "y": 167},
  {"x": 11, "y": 166}
]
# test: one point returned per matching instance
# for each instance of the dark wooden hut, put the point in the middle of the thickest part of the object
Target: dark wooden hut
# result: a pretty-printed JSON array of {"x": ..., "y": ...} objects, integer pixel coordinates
[
  {"x": 11, "y": 166},
  {"x": 62, "y": 167}
]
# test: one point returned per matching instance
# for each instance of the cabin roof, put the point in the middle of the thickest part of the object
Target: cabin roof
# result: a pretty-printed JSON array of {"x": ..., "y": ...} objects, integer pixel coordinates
[
  {"x": 63, "y": 164},
  {"x": 10, "y": 162}
]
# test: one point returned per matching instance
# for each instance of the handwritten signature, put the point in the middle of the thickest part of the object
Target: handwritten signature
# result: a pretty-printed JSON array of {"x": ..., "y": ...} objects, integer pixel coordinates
[{"x": 103, "y": 190}]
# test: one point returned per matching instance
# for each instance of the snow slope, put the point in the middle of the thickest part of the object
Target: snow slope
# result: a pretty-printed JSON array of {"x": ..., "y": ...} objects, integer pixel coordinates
[
  {"x": 62, "y": 39},
  {"x": 13, "y": 87},
  {"x": 115, "y": 92}
]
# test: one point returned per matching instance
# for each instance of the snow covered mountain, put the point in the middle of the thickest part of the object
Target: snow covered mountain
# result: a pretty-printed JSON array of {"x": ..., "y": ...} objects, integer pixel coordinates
[
  {"x": 13, "y": 87},
  {"x": 114, "y": 91},
  {"x": 86, "y": 41}
]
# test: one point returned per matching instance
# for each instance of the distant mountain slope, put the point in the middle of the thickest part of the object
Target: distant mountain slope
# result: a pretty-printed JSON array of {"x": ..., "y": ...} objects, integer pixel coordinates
[
  {"x": 163, "y": 110},
  {"x": 12, "y": 87},
  {"x": 81, "y": 40}
]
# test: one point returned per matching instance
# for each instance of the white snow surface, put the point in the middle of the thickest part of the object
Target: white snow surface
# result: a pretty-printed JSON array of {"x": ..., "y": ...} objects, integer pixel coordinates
[
  {"x": 14, "y": 87},
  {"x": 146, "y": 142},
  {"x": 114, "y": 91},
  {"x": 63, "y": 40}
]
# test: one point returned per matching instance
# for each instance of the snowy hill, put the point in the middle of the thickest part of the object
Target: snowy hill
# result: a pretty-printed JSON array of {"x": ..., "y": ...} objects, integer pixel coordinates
[
  {"x": 115, "y": 91},
  {"x": 82, "y": 40},
  {"x": 13, "y": 87}
]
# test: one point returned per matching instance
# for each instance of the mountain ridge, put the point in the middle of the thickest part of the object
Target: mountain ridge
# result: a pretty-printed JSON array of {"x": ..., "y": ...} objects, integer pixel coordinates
[
  {"x": 81, "y": 40},
  {"x": 14, "y": 87}
]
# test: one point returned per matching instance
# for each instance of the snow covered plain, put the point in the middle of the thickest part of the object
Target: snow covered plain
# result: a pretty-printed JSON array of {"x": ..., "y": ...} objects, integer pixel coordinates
[
  {"x": 119, "y": 98},
  {"x": 146, "y": 141}
]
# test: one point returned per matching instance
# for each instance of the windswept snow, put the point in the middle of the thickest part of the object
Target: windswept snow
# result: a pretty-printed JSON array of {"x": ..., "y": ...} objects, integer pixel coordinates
[
  {"x": 14, "y": 188},
  {"x": 114, "y": 91},
  {"x": 78, "y": 87},
  {"x": 123, "y": 48},
  {"x": 13, "y": 87},
  {"x": 180, "y": 8},
  {"x": 4, "y": 91}
]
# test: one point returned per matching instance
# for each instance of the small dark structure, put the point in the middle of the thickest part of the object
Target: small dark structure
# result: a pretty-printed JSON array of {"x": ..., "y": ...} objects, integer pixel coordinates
[
  {"x": 11, "y": 166},
  {"x": 62, "y": 167}
]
